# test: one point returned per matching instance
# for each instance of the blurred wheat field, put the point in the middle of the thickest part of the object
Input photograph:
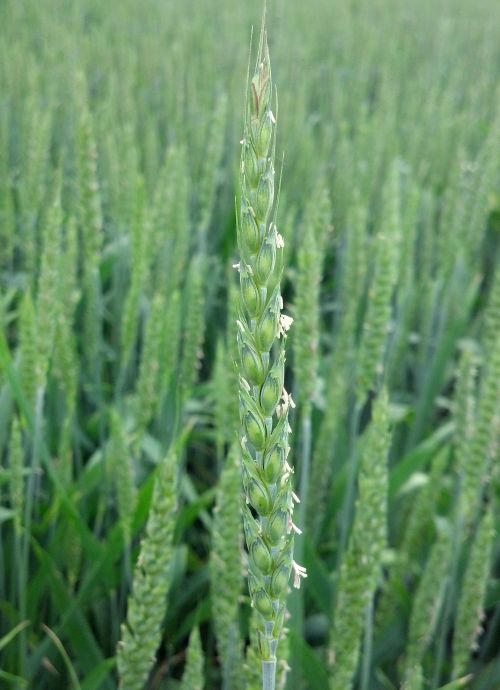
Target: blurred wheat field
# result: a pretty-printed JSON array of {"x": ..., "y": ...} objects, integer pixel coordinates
[{"x": 121, "y": 542}]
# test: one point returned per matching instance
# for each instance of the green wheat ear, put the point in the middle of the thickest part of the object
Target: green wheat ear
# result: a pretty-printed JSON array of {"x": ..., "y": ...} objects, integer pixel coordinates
[
  {"x": 193, "y": 674},
  {"x": 141, "y": 633},
  {"x": 361, "y": 566},
  {"x": 470, "y": 606},
  {"x": 226, "y": 572},
  {"x": 264, "y": 403}
]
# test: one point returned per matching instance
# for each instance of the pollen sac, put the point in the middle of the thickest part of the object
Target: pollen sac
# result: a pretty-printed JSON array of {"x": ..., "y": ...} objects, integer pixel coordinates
[
  {"x": 261, "y": 556},
  {"x": 267, "y": 327},
  {"x": 263, "y": 604},
  {"x": 255, "y": 429},
  {"x": 273, "y": 386},
  {"x": 277, "y": 527},
  {"x": 250, "y": 524},
  {"x": 261, "y": 88},
  {"x": 265, "y": 261},
  {"x": 250, "y": 294},
  {"x": 273, "y": 463},
  {"x": 280, "y": 433},
  {"x": 258, "y": 497},
  {"x": 264, "y": 196},
  {"x": 251, "y": 165},
  {"x": 280, "y": 579},
  {"x": 251, "y": 362},
  {"x": 249, "y": 230},
  {"x": 264, "y": 135}
]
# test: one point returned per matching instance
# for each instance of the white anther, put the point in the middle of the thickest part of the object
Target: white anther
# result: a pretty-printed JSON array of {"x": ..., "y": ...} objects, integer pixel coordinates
[
  {"x": 299, "y": 571},
  {"x": 284, "y": 324}
]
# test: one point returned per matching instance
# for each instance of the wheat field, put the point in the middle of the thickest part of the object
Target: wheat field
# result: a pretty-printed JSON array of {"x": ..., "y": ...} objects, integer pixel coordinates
[{"x": 249, "y": 345}]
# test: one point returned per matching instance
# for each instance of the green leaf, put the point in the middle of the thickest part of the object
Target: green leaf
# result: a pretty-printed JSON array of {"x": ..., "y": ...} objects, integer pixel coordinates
[{"x": 312, "y": 668}]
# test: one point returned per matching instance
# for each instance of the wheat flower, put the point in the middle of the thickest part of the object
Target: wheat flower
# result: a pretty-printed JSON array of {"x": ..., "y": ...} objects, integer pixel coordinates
[{"x": 264, "y": 403}]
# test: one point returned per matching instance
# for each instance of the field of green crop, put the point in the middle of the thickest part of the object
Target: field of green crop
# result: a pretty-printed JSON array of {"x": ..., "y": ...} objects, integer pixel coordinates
[{"x": 161, "y": 414}]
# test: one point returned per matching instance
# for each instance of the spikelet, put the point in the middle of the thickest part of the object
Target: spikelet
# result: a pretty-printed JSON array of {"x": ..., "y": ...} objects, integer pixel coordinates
[
  {"x": 68, "y": 269},
  {"x": 148, "y": 384},
  {"x": 415, "y": 679},
  {"x": 121, "y": 468},
  {"x": 480, "y": 451},
  {"x": 146, "y": 605},
  {"x": 360, "y": 569},
  {"x": 306, "y": 307},
  {"x": 16, "y": 466},
  {"x": 193, "y": 674},
  {"x": 465, "y": 416},
  {"x": 65, "y": 449},
  {"x": 487, "y": 180},
  {"x": 354, "y": 260},
  {"x": 340, "y": 367},
  {"x": 178, "y": 221},
  {"x": 90, "y": 221},
  {"x": 344, "y": 175},
  {"x": 28, "y": 334},
  {"x": 194, "y": 326},
  {"x": 452, "y": 222},
  {"x": 170, "y": 342},
  {"x": 33, "y": 182},
  {"x": 210, "y": 176},
  {"x": 492, "y": 317},
  {"x": 378, "y": 316},
  {"x": 7, "y": 219},
  {"x": 406, "y": 294},
  {"x": 49, "y": 297},
  {"x": 427, "y": 601},
  {"x": 226, "y": 574},
  {"x": 267, "y": 477},
  {"x": 409, "y": 220},
  {"x": 139, "y": 241},
  {"x": 464, "y": 407},
  {"x": 90, "y": 214},
  {"x": 170, "y": 222},
  {"x": 425, "y": 505},
  {"x": 65, "y": 363},
  {"x": 162, "y": 231},
  {"x": 470, "y": 605}
]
